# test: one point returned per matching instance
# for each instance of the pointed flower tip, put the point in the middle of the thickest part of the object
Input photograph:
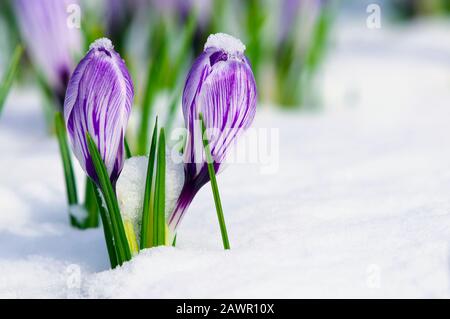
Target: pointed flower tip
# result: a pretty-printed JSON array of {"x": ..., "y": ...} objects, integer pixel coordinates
[
  {"x": 225, "y": 42},
  {"x": 102, "y": 43}
]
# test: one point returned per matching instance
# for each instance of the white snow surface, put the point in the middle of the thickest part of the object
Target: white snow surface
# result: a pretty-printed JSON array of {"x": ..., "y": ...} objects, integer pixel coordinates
[
  {"x": 225, "y": 42},
  {"x": 358, "y": 208}
]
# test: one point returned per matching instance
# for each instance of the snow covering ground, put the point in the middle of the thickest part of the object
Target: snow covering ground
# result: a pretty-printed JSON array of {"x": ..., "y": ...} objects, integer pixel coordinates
[{"x": 358, "y": 208}]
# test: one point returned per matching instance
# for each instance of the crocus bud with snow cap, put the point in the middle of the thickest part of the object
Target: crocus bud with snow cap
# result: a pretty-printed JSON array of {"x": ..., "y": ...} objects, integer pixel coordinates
[
  {"x": 221, "y": 86},
  {"x": 51, "y": 41},
  {"x": 98, "y": 100}
]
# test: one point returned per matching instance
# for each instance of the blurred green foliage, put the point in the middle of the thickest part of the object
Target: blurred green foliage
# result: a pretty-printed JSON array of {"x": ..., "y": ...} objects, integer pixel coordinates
[{"x": 407, "y": 9}]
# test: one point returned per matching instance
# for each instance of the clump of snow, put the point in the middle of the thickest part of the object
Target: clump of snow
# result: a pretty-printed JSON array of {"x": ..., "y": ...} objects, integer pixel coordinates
[
  {"x": 78, "y": 212},
  {"x": 130, "y": 190},
  {"x": 225, "y": 42},
  {"x": 102, "y": 43}
]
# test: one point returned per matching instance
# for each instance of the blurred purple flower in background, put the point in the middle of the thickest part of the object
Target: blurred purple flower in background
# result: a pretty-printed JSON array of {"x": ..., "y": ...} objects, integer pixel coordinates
[
  {"x": 288, "y": 17},
  {"x": 203, "y": 8},
  {"x": 221, "y": 86},
  {"x": 50, "y": 40},
  {"x": 295, "y": 11},
  {"x": 99, "y": 100}
]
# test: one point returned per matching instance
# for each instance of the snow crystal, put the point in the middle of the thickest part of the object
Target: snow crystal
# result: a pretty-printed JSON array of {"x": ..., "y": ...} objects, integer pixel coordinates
[
  {"x": 102, "y": 43},
  {"x": 225, "y": 42}
]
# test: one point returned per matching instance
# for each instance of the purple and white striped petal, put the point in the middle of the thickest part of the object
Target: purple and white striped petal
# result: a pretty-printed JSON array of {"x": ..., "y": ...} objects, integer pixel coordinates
[
  {"x": 98, "y": 100},
  {"x": 221, "y": 86},
  {"x": 50, "y": 40}
]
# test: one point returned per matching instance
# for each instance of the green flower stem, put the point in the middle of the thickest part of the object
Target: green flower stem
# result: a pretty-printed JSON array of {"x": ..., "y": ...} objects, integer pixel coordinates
[
  {"x": 107, "y": 229},
  {"x": 215, "y": 188},
  {"x": 118, "y": 232},
  {"x": 71, "y": 187},
  {"x": 10, "y": 73}
]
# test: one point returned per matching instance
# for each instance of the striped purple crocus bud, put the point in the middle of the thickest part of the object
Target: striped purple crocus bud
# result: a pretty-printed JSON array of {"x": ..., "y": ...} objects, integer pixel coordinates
[
  {"x": 98, "y": 100},
  {"x": 51, "y": 39},
  {"x": 221, "y": 86}
]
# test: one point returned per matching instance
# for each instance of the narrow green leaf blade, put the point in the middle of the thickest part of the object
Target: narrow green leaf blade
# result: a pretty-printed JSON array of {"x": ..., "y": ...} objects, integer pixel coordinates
[
  {"x": 174, "y": 243},
  {"x": 90, "y": 205},
  {"x": 120, "y": 239},
  {"x": 147, "y": 212},
  {"x": 10, "y": 73},
  {"x": 181, "y": 56},
  {"x": 174, "y": 103},
  {"x": 161, "y": 188},
  {"x": 214, "y": 186},
  {"x": 107, "y": 230},
  {"x": 318, "y": 44},
  {"x": 154, "y": 82},
  {"x": 128, "y": 153},
  {"x": 71, "y": 187},
  {"x": 159, "y": 200}
]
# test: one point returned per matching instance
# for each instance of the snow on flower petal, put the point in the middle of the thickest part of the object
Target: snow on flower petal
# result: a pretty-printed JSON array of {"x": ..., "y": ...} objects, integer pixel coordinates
[{"x": 225, "y": 42}]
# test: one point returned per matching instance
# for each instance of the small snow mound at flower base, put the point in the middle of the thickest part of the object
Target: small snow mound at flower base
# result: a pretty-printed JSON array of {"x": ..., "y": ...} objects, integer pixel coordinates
[
  {"x": 225, "y": 42},
  {"x": 102, "y": 43},
  {"x": 131, "y": 187}
]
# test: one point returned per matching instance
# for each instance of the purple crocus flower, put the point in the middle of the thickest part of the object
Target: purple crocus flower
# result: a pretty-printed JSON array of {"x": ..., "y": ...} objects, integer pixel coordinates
[
  {"x": 98, "y": 100},
  {"x": 221, "y": 86},
  {"x": 50, "y": 39}
]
